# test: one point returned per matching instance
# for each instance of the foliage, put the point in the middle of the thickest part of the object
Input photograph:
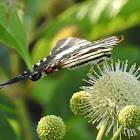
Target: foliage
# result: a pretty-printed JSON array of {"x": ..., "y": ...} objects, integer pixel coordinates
[{"x": 26, "y": 28}]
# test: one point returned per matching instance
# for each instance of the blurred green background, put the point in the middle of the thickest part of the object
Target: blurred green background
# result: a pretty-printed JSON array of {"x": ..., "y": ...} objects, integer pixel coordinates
[{"x": 38, "y": 25}]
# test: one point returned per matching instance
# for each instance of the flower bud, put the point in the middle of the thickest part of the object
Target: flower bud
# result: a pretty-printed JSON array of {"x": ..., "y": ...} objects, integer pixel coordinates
[
  {"x": 79, "y": 102},
  {"x": 51, "y": 128},
  {"x": 129, "y": 117}
]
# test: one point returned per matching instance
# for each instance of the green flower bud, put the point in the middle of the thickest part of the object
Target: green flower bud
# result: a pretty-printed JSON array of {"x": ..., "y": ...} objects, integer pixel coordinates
[
  {"x": 79, "y": 102},
  {"x": 51, "y": 128},
  {"x": 129, "y": 117}
]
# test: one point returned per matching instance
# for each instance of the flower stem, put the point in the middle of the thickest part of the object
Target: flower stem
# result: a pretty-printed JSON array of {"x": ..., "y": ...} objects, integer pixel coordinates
[
  {"x": 101, "y": 131},
  {"x": 117, "y": 133}
]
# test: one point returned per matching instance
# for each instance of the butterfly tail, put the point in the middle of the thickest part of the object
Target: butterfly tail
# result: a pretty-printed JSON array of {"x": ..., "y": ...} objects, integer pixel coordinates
[{"x": 25, "y": 75}]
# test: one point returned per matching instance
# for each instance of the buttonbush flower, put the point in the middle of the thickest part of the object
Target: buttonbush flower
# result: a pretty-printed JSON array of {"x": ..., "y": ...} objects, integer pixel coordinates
[
  {"x": 113, "y": 88},
  {"x": 129, "y": 118},
  {"x": 79, "y": 103},
  {"x": 51, "y": 128}
]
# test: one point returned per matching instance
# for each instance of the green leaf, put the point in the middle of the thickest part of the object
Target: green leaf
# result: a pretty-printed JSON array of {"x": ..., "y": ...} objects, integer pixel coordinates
[
  {"x": 99, "y": 18},
  {"x": 12, "y": 32},
  {"x": 7, "y": 106},
  {"x": 9, "y": 112},
  {"x": 6, "y": 131}
]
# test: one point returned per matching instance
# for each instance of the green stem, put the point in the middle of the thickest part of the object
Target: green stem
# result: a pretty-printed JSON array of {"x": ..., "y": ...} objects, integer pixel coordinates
[
  {"x": 117, "y": 133},
  {"x": 24, "y": 119},
  {"x": 101, "y": 131}
]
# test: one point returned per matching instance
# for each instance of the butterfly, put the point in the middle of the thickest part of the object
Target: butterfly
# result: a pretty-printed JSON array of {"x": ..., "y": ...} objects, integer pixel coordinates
[{"x": 70, "y": 53}]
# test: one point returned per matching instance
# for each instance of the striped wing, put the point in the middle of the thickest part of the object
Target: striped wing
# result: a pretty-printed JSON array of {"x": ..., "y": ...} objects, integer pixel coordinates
[
  {"x": 72, "y": 45},
  {"x": 77, "y": 50},
  {"x": 93, "y": 54},
  {"x": 68, "y": 46},
  {"x": 64, "y": 49}
]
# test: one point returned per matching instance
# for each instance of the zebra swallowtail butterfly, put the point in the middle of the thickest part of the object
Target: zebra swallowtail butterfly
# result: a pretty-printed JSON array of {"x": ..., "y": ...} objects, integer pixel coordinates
[{"x": 70, "y": 53}]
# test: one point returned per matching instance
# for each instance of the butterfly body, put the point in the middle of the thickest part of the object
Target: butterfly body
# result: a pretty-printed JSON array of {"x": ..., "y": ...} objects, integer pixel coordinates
[{"x": 70, "y": 53}]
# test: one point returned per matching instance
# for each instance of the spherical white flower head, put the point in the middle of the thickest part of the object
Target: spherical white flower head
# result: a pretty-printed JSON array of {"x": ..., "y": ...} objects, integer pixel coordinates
[{"x": 112, "y": 90}]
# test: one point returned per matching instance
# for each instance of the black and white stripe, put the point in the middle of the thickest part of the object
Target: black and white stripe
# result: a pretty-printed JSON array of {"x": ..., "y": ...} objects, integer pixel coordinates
[
  {"x": 70, "y": 53},
  {"x": 85, "y": 52}
]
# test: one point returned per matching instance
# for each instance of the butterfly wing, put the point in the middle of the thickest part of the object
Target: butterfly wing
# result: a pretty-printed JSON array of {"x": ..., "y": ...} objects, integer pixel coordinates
[
  {"x": 68, "y": 46},
  {"x": 73, "y": 47},
  {"x": 93, "y": 53},
  {"x": 64, "y": 49}
]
